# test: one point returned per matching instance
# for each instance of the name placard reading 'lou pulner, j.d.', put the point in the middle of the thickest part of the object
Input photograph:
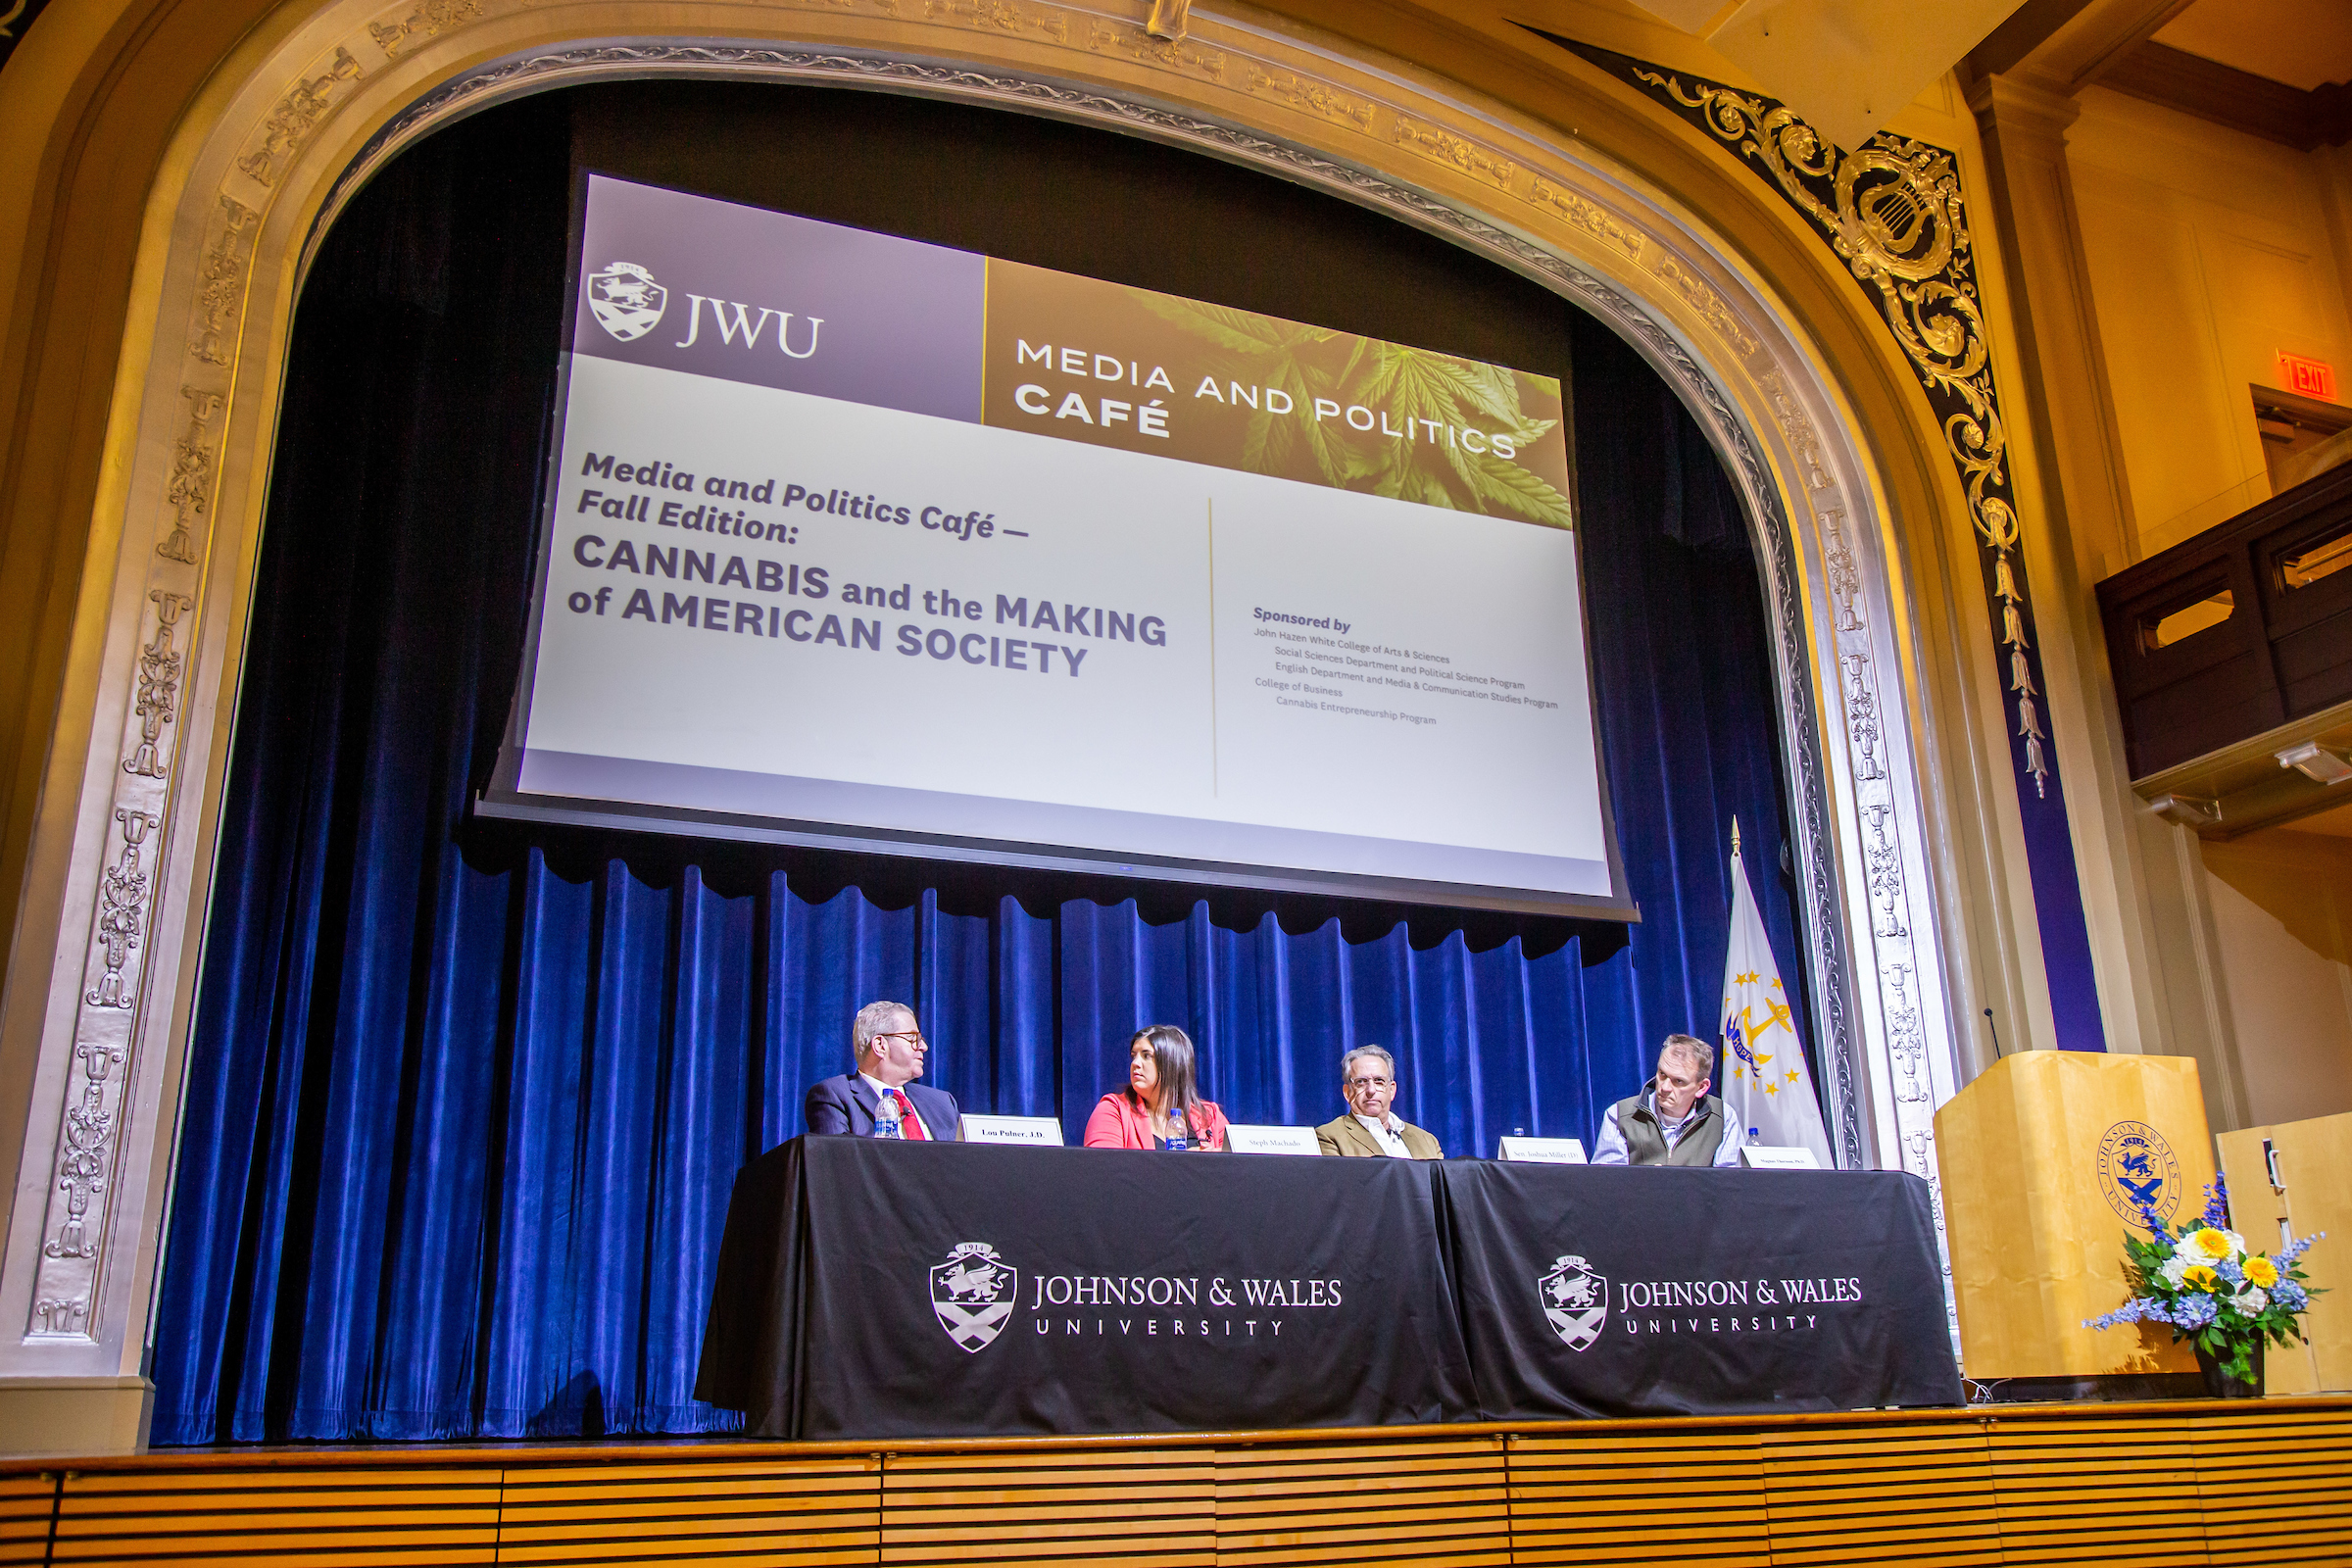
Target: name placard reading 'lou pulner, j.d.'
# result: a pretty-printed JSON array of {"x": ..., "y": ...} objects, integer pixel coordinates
[{"x": 851, "y": 532}]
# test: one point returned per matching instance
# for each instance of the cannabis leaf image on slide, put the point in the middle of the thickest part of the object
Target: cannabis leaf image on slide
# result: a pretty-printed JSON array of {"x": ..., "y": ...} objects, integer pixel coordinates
[{"x": 1430, "y": 395}]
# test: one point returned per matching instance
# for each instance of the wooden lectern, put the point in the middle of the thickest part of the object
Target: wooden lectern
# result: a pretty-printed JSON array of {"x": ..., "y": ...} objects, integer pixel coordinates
[
  {"x": 2297, "y": 1176},
  {"x": 2045, "y": 1159}
]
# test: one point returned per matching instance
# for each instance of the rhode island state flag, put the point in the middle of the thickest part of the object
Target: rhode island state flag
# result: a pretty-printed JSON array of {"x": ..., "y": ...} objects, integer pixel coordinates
[{"x": 1765, "y": 1081}]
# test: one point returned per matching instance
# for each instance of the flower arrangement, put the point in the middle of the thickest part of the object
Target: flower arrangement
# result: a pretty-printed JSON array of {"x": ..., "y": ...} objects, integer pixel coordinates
[{"x": 2203, "y": 1284}]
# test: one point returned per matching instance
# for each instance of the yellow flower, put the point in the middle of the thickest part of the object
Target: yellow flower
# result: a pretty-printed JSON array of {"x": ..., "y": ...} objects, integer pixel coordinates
[
  {"x": 2207, "y": 1243},
  {"x": 2197, "y": 1276},
  {"x": 2262, "y": 1271}
]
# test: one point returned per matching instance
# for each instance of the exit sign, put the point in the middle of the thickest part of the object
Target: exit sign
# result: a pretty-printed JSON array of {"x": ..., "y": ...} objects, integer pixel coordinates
[{"x": 2312, "y": 378}]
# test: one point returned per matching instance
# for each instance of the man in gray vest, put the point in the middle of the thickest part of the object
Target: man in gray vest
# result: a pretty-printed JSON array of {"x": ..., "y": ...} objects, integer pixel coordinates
[{"x": 1672, "y": 1120}]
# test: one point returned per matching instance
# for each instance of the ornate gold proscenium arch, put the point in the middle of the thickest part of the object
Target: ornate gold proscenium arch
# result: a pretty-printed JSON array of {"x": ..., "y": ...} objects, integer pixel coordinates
[{"x": 304, "y": 113}]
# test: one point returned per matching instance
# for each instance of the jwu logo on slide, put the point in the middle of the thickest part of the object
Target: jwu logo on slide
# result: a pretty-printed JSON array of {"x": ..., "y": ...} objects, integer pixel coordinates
[
  {"x": 627, "y": 302},
  {"x": 973, "y": 1293}
]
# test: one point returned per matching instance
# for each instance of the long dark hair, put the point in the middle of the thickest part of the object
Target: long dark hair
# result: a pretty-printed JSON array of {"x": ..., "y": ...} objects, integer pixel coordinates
[{"x": 1179, "y": 1080}]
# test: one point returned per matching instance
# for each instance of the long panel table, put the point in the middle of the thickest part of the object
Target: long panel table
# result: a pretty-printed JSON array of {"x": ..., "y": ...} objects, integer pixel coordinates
[{"x": 870, "y": 1288}]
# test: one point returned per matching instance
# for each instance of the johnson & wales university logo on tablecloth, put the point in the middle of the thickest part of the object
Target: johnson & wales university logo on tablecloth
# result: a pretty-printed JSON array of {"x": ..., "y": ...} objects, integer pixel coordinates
[
  {"x": 973, "y": 1293},
  {"x": 2138, "y": 1170},
  {"x": 627, "y": 302},
  {"x": 1576, "y": 1301}
]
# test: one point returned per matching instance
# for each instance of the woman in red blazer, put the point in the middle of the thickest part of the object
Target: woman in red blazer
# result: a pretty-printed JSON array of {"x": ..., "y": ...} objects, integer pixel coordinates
[{"x": 1161, "y": 1100}]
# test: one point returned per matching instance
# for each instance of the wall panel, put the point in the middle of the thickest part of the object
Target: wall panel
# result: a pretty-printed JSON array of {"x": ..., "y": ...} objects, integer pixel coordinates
[
  {"x": 2277, "y": 1488},
  {"x": 27, "y": 1503},
  {"x": 2117, "y": 1490},
  {"x": 2159, "y": 1484},
  {"x": 418, "y": 1513},
  {"x": 1624, "y": 1497},
  {"x": 1356, "y": 1501},
  {"x": 793, "y": 1514},
  {"x": 1879, "y": 1494},
  {"x": 1138, "y": 1507}
]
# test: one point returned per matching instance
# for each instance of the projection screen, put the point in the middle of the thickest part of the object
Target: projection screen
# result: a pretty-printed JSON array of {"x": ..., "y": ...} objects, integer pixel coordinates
[{"x": 855, "y": 541}]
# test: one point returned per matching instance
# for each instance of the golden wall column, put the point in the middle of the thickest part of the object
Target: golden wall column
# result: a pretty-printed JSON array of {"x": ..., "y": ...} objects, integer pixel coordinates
[{"x": 2142, "y": 879}]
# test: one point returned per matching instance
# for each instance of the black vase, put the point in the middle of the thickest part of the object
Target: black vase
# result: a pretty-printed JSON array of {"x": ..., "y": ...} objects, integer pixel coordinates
[{"x": 2220, "y": 1384}]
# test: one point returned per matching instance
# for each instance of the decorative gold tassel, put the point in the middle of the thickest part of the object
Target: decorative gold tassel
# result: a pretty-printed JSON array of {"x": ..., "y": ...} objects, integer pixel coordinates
[{"x": 1168, "y": 20}]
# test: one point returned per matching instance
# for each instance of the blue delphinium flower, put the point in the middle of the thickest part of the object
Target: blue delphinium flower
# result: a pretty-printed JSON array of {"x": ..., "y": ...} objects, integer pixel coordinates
[
  {"x": 2140, "y": 1309},
  {"x": 2209, "y": 1287},
  {"x": 2217, "y": 1204}
]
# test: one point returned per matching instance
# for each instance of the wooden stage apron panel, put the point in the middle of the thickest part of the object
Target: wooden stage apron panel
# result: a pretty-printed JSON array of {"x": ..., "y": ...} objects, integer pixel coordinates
[{"x": 2201, "y": 1482}]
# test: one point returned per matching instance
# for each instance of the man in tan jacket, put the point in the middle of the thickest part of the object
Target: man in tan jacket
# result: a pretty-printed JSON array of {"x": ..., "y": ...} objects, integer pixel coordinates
[{"x": 1368, "y": 1078}]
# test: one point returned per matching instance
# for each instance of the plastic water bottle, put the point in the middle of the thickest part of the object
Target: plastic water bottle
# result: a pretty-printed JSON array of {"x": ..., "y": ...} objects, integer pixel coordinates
[
  {"x": 886, "y": 1118},
  {"x": 1179, "y": 1138}
]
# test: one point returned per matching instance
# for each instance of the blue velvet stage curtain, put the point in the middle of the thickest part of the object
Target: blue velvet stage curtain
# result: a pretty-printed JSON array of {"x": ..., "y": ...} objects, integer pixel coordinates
[{"x": 464, "y": 1104}]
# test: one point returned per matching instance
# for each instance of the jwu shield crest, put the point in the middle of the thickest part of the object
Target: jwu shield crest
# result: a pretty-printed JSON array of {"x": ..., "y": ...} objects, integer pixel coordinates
[
  {"x": 626, "y": 300},
  {"x": 973, "y": 1293},
  {"x": 2137, "y": 1169},
  {"x": 1576, "y": 1301}
]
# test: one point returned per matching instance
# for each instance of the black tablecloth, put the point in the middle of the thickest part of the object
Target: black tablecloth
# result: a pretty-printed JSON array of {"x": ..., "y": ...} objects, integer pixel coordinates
[
  {"x": 1602, "y": 1291},
  {"x": 876, "y": 1288}
]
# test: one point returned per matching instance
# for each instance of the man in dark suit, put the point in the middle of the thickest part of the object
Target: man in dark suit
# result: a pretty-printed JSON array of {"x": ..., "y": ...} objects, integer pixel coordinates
[{"x": 881, "y": 1096}]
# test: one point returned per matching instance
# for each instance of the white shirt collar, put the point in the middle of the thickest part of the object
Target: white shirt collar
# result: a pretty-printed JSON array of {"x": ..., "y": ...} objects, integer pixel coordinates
[
  {"x": 1386, "y": 1133},
  {"x": 882, "y": 1091},
  {"x": 1674, "y": 1129}
]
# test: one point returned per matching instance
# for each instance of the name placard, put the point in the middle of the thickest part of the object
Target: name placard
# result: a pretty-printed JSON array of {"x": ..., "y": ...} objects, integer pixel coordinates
[
  {"x": 1775, "y": 1157},
  {"x": 1544, "y": 1150},
  {"x": 1039, "y": 1132},
  {"x": 1264, "y": 1139}
]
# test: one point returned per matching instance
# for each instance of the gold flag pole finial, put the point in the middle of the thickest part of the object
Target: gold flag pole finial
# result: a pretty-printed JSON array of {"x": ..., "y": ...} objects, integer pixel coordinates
[{"x": 1734, "y": 835}]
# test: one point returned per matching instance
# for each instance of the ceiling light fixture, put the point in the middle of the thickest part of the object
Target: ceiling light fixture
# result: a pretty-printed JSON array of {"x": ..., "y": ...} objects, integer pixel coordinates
[
  {"x": 2188, "y": 810},
  {"x": 2319, "y": 764}
]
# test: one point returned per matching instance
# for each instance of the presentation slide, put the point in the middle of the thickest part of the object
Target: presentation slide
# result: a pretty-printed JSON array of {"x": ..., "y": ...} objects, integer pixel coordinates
[{"x": 854, "y": 540}]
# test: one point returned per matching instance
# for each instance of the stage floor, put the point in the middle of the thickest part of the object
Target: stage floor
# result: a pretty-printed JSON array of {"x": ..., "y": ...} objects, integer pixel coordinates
[{"x": 2263, "y": 1482}]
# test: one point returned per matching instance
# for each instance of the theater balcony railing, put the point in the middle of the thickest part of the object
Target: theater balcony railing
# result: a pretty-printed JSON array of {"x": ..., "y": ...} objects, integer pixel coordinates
[{"x": 2233, "y": 662}]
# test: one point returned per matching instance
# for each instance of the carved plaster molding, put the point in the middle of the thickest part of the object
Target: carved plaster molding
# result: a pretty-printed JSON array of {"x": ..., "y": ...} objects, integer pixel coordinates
[
  {"x": 169, "y": 540},
  {"x": 1892, "y": 211},
  {"x": 1511, "y": 193}
]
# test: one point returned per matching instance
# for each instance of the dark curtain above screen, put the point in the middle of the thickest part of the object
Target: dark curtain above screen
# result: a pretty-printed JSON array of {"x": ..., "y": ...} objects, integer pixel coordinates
[{"x": 464, "y": 1104}]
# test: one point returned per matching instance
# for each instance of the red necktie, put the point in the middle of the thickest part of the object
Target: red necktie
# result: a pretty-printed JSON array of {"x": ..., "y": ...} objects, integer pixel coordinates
[{"x": 910, "y": 1126}]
